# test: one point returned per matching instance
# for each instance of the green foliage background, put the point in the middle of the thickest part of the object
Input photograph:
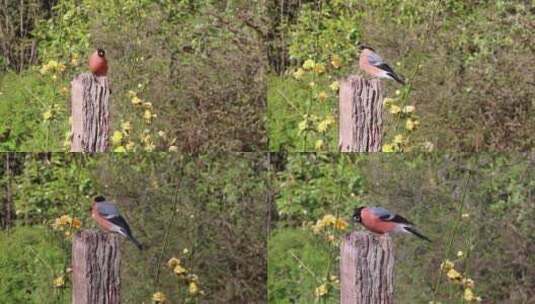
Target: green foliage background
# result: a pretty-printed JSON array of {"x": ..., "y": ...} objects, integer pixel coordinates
[
  {"x": 164, "y": 51},
  {"x": 462, "y": 60},
  {"x": 211, "y": 205},
  {"x": 431, "y": 190}
]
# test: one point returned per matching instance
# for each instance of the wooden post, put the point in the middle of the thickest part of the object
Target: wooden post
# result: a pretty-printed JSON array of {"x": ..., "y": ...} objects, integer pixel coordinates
[
  {"x": 361, "y": 115},
  {"x": 96, "y": 260},
  {"x": 366, "y": 269},
  {"x": 90, "y": 113}
]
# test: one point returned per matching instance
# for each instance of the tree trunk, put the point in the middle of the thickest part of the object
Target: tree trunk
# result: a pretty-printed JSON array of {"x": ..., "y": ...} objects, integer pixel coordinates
[
  {"x": 96, "y": 260},
  {"x": 366, "y": 269},
  {"x": 361, "y": 115},
  {"x": 90, "y": 113}
]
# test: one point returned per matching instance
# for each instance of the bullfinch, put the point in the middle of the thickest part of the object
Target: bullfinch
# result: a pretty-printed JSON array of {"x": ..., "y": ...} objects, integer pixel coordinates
[
  {"x": 371, "y": 63},
  {"x": 98, "y": 65},
  {"x": 108, "y": 218},
  {"x": 380, "y": 220}
]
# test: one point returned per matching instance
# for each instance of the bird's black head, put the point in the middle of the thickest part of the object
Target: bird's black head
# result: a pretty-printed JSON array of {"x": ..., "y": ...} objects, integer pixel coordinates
[
  {"x": 99, "y": 198},
  {"x": 101, "y": 52},
  {"x": 356, "y": 215},
  {"x": 365, "y": 47}
]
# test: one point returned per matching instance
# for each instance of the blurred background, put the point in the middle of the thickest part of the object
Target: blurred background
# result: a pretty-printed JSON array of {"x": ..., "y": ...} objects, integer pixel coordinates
[
  {"x": 477, "y": 208},
  {"x": 185, "y": 75},
  {"x": 209, "y": 212},
  {"x": 467, "y": 63}
]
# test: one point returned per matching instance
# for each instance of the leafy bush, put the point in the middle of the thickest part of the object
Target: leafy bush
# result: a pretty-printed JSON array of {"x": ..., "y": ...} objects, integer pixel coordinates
[
  {"x": 34, "y": 114},
  {"x": 30, "y": 259}
]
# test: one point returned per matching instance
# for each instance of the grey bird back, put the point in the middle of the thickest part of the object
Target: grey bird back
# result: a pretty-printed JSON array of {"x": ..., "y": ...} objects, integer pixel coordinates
[
  {"x": 107, "y": 209},
  {"x": 382, "y": 212}
]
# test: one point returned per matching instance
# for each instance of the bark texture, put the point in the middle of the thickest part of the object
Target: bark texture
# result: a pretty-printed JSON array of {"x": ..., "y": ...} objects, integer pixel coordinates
[
  {"x": 96, "y": 260},
  {"x": 361, "y": 115},
  {"x": 366, "y": 269},
  {"x": 90, "y": 113}
]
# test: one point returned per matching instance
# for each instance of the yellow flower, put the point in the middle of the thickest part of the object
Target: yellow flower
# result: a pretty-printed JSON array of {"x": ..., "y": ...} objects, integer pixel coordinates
[
  {"x": 193, "y": 289},
  {"x": 460, "y": 253},
  {"x": 324, "y": 124},
  {"x": 398, "y": 139},
  {"x": 65, "y": 220},
  {"x": 48, "y": 115},
  {"x": 446, "y": 265},
  {"x": 468, "y": 283},
  {"x": 76, "y": 223},
  {"x": 179, "y": 270},
  {"x": 454, "y": 275},
  {"x": 465, "y": 215},
  {"x": 312, "y": 84},
  {"x": 398, "y": 92},
  {"x": 336, "y": 61},
  {"x": 387, "y": 102},
  {"x": 335, "y": 86},
  {"x": 309, "y": 64},
  {"x": 340, "y": 224},
  {"x": 147, "y": 115},
  {"x": 130, "y": 145},
  {"x": 75, "y": 59},
  {"x": 389, "y": 148},
  {"x": 328, "y": 219},
  {"x": 161, "y": 134},
  {"x": 131, "y": 93},
  {"x": 159, "y": 297},
  {"x": 320, "y": 290},
  {"x": 395, "y": 109},
  {"x": 120, "y": 149},
  {"x": 469, "y": 295},
  {"x": 173, "y": 148},
  {"x": 136, "y": 101},
  {"x": 117, "y": 138},
  {"x": 330, "y": 238},
  {"x": 319, "y": 144},
  {"x": 319, "y": 68},
  {"x": 408, "y": 109},
  {"x": 322, "y": 96},
  {"x": 150, "y": 147},
  {"x": 147, "y": 105},
  {"x": 411, "y": 124},
  {"x": 59, "y": 282},
  {"x": 299, "y": 73},
  {"x": 126, "y": 126},
  {"x": 173, "y": 262},
  {"x": 185, "y": 251}
]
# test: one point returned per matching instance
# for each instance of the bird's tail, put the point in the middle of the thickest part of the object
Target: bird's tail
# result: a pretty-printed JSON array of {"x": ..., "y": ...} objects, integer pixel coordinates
[
  {"x": 136, "y": 242},
  {"x": 396, "y": 78},
  {"x": 415, "y": 232}
]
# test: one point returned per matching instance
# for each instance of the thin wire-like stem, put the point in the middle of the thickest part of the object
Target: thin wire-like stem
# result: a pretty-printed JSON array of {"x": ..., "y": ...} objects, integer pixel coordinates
[
  {"x": 167, "y": 231},
  {"x": 453, "y": 234}
]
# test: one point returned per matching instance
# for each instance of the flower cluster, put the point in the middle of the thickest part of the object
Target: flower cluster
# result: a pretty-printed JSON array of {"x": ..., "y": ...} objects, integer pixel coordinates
[
  {"x": 52, "y": 67},
  {"x": 329, "y": 224},
  {"x": 322, "y": 89},
  {"x": 66, "y": 224},
  {"x": 51, "y": 112},
  {"x": 448, "y": 267},
  {"x": 327, "y": 284},
  {"x": 405, "y": 114},
  {"x": 159, "y": 297},
  {"x": 123, "y": 139},
  {"x": 185, "y": 275}
]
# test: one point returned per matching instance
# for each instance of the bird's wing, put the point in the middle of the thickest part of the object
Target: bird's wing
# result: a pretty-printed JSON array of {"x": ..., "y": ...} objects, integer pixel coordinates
[
  {"x": 388, "y": 216},
  {"x": 107, "y": 209},
  {"x": 374, "y": 59},
  {"x": 385, "y": 67},
  {"x": 121, "y": 222}
]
